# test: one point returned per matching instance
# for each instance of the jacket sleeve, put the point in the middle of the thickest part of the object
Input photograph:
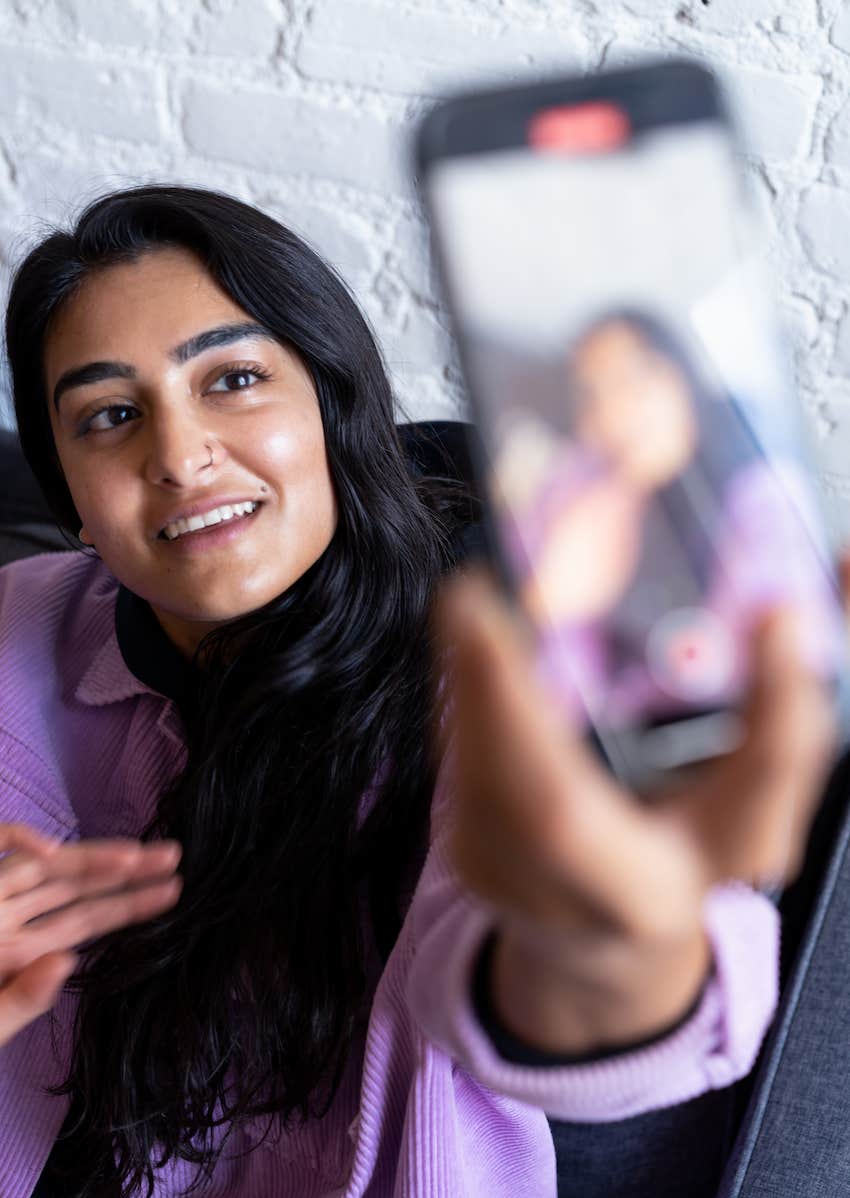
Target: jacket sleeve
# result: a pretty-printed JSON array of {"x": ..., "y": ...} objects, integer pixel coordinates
[{"x": 715, "y": 1047}]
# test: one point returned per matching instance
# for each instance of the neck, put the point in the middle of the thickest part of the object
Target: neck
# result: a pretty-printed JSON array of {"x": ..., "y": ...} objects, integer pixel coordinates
[{"x": 185, "y": 635}]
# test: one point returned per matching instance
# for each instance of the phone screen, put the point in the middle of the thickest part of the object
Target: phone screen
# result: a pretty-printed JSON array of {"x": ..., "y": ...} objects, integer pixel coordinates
[{"x": 642, "y": 452}]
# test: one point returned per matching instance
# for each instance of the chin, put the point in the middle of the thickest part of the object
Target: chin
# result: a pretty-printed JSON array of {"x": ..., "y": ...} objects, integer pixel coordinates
[
  {"x": 225, "y": 613},
  {"x": 234, "y": 607}
]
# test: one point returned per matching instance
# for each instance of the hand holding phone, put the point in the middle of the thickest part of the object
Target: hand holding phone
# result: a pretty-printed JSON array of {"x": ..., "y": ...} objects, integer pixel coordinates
[{"x": 599, "y": 894}]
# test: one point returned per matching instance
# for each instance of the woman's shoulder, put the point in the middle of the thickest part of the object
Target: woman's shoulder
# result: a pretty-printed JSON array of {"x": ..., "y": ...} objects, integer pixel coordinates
[
  {"x": 54, "y": 621},
  {"x": 57, "y": 630},
  {"x": 57, "y": 612},
  {"x": 38, "y": 590}
]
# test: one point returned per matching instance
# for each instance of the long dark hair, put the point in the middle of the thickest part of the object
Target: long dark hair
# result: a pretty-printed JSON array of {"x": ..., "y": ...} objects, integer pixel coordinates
[{"x": 244, "y": 1000}]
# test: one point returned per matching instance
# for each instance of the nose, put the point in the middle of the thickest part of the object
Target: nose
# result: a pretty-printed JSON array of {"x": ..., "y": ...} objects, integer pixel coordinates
[{"x": 181, "y": 450}]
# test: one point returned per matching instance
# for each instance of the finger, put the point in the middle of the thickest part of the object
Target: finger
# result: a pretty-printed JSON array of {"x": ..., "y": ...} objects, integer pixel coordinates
[
  {"x": 20, "y": 836},
  {"x": 791, "y": 734},
  {"x": 16, "y": 911},
  {"x": 90, "y": 867},
  {"x": 540, "y": 822},
  {"x": 754, "y": 808},
  {"x": 113, "y": 861},
  {"x": 157, "y": 858},
  {"x": 26, "y": 853},
  {"x": 88, "y": 919},
  {"x": 32, "y": 992},
  {"x": 54, "y": 893},
  {"x": 843, "y": 571},
  {"x": 491, "y": 650},
  {"x": 20, "y": 872}
]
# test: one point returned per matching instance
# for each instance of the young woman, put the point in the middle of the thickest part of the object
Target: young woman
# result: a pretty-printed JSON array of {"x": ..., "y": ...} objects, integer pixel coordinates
[{"x": 242, "y": 662}]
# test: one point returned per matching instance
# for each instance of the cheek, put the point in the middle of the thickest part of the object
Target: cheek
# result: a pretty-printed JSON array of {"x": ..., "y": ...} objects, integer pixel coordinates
[
  {"x": 672, "y": 419},
  {"x": 297, "y": 458},
  {"x": 103, "y": 501}
]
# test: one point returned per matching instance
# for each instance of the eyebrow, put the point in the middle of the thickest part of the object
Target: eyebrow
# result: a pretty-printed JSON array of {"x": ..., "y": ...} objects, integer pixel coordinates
[{"x": 97, "y": 372}]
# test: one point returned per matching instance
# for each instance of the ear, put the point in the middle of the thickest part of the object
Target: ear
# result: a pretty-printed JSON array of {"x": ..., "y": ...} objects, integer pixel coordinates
[{"x": 84, "y": 538}]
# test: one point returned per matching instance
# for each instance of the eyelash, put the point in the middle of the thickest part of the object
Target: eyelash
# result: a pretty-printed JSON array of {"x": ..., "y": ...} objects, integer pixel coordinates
[
  {"x": 86, "y": 427},
  {"x": 253, "y": 368},
  {"x": 232, "y": 369}
]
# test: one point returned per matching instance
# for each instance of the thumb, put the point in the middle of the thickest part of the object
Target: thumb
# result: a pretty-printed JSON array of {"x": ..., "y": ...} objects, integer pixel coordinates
[
  {"x": 522, "y": 767},
  {"x": 33, "y": 991},
  {"x": 496, "y": 697}
]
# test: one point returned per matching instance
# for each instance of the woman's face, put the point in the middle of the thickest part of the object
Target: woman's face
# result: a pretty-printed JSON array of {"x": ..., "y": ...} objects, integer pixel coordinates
[
  {"x": 634, "y": 405},
  {"x": 170, "y": 406}
]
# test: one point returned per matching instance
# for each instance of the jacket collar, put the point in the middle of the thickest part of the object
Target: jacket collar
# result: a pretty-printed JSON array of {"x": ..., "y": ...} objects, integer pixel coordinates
[{"x": 136, "y": 658}]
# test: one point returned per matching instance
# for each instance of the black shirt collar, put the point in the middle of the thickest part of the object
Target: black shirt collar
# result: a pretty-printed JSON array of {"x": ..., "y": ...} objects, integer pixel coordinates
[{"x": 147, "y": 651}]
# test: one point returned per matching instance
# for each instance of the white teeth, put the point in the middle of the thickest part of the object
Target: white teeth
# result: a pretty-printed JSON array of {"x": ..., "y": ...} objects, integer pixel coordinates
[{"x": 227, "y": 511}]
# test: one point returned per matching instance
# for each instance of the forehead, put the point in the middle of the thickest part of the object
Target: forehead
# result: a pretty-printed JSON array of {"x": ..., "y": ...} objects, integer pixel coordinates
[
  {"x": 134, "y": 309},
  {"x": 610, "y": 339}
]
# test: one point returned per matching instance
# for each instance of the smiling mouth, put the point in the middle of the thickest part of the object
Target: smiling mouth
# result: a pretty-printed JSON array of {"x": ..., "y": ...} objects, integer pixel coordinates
[{"x": 225, "y": 514}]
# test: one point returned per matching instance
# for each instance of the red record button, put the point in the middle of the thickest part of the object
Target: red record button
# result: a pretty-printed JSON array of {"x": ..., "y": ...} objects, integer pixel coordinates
[{"x": 691, "y": 653}]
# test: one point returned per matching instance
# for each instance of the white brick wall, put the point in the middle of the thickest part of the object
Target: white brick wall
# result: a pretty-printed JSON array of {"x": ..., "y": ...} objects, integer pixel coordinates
[{"x": 305, "y": 107}]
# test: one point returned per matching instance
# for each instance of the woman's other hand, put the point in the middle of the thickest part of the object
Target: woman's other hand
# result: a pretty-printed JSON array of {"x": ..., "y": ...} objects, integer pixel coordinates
[
  {"x": 598, "y": 895},
  {"x": 55, "y": 895}
]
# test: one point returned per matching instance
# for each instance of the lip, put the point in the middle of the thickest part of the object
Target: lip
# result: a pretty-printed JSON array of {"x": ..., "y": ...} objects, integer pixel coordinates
[
  {"x": 203, "y": 540},
  {"x": 202, "y": 507}
]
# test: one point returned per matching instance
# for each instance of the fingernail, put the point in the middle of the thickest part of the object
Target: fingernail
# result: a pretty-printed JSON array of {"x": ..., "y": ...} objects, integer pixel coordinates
[
  {"x": 171, "y": 849},
  {"x": 786, "y": 634},
  {"x": 67, "y": 966}
]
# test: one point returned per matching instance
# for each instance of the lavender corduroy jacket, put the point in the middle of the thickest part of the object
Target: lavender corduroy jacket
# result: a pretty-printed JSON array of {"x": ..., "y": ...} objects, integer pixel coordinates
[{"x": 427, "y": 1108}]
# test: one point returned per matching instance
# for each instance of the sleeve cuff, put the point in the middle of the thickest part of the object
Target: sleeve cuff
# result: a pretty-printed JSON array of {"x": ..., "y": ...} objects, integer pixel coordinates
[
  {"x": 715, "y": 1047},
  {"x": 510, "y": 1048}
]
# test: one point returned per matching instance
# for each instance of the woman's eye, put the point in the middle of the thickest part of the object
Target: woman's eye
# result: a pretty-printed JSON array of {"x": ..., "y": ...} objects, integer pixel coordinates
[
  {"x": 237, "y": 380},
  {"x": 108, "y": 418}
]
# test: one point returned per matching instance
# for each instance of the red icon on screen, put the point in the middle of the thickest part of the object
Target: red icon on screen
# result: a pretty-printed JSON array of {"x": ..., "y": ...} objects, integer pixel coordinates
[
  {"x": 691, "y": 653},
  {"x": 579, "y": 128}
]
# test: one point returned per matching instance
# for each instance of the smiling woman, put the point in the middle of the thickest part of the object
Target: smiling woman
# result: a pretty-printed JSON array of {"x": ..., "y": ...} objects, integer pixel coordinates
[
  {"x": 379, "y": 974},
  {"x": 196, "y": 358},
  {"x": 174, "y": 414}
]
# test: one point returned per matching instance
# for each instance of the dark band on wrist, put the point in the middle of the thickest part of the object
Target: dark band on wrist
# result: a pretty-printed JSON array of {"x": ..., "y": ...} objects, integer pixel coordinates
[{"x": 510, "y": 1048}]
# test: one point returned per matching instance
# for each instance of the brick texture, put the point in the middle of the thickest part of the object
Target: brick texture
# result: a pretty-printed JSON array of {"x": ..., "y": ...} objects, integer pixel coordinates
[{"x": 306, "y": 108}]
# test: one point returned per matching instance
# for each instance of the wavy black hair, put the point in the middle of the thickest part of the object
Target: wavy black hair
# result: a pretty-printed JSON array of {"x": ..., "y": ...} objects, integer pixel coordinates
[{"x": 244, "y": 1000}]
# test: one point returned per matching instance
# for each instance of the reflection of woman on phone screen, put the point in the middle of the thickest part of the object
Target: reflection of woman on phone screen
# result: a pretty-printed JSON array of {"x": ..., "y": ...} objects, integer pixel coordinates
[{"x": 672, "y": 522}]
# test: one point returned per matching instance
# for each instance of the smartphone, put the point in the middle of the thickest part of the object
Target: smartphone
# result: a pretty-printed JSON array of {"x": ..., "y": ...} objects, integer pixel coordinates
[{"x": 646, "y": 489}]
